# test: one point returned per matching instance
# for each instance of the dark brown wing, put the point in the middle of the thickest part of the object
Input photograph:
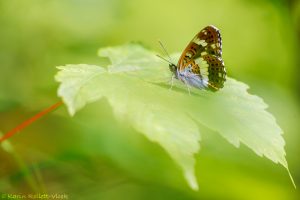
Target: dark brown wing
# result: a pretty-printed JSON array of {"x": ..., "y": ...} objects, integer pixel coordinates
[
  {"x": 204, "y": 55},
  {"x": 216, "y": 71}
]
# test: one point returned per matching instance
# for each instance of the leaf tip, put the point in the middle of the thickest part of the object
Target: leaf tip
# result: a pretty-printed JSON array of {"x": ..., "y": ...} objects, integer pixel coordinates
[
  {"x": 191, "y": 179},
  {"x": 285, "y": 165},
  {"x": 70, "y": 107},
  {"x": 290, "y": 175}
]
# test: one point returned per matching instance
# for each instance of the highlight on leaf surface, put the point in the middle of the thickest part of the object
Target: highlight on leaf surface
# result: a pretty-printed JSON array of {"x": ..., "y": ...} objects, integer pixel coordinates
[{"x": 136, "y": 86}]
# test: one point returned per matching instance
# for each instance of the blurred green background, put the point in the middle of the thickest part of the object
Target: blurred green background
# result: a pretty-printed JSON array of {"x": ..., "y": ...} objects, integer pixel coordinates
[{"x": 94, "y": 156}]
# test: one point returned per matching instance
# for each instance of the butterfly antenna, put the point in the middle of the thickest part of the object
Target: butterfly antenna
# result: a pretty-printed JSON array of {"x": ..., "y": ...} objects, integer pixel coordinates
[
  {"x": 165, "y": 52},
  {"x": 164, "y": 59}
]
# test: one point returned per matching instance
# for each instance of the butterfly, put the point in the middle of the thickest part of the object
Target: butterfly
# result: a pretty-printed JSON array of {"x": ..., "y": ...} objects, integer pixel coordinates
[{"x": 200, "y": 64}]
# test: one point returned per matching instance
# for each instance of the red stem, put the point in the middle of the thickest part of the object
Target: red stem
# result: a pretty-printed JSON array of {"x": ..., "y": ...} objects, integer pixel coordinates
[{"x": 29, "y": 121}]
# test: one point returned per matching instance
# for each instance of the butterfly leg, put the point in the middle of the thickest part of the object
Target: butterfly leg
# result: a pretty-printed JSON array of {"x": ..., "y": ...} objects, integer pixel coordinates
[
  {"x": 172, "y": 82},
  {"x": 187, "y": 86},
  {"x": 188, "y": 89}
]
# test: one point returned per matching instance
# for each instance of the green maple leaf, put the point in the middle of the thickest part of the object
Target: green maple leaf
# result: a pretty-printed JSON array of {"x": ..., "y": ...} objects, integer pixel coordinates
[{"x": 135, "y": 85}]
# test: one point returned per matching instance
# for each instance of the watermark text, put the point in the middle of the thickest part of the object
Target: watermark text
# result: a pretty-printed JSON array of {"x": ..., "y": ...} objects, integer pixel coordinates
[{"x": 56, "y": 196}]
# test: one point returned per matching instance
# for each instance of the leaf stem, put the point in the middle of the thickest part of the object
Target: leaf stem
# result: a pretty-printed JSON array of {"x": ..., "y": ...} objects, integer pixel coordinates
[{"x": 29, "y": 121}]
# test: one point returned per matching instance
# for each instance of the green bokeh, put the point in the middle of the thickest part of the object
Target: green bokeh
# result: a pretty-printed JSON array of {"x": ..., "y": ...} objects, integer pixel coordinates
[{"x": 94, "y": 155}]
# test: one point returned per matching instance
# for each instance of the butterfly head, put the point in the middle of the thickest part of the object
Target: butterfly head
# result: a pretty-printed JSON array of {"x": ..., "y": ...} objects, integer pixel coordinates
[{"x": 173, "y": 68}]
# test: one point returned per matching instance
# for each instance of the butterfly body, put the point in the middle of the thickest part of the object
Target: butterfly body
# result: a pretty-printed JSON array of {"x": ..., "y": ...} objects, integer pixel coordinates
[{"x": 201, "y": 65}]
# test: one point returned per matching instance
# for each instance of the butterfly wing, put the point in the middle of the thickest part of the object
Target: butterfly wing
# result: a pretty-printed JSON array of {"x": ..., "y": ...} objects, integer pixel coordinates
[{"x": 203, "y": 56}]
